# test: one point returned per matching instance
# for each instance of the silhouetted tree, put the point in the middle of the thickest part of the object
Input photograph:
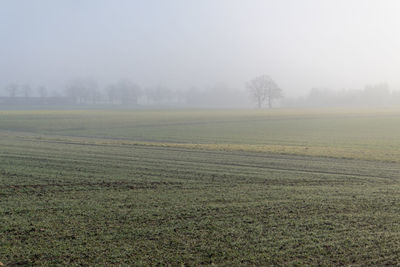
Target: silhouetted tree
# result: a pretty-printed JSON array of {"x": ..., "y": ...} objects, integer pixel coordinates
[
  {"x": 12, "y": 89},
  {"x": 42, "y": 91},
  {"x": 124, "y": 92},
  {"x": 158, "y": 94},
  {"x": 263, "y": 88},
  {"x": 112, "y": 94},
  {"x": 26, "y": 90},
  {"x": 192, "y": 95},
  {"x": 83, "y": 90},
  {"x": 376, "y": 94}
]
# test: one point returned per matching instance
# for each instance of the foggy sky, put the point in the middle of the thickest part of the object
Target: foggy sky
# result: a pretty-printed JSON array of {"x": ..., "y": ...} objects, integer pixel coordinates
[{"x": 341, "y": 44}]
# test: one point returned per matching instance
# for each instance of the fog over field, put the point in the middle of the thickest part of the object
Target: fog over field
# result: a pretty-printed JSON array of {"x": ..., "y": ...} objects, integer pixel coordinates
[
  {"x": 211, "y": 48},
  {"x": 199, "y": 133}
]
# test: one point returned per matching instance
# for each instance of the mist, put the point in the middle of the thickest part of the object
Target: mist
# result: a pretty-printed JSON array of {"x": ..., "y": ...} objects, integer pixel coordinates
[
  {"x": 199, "y": 133},
  {"x": 190, "y": 48}
]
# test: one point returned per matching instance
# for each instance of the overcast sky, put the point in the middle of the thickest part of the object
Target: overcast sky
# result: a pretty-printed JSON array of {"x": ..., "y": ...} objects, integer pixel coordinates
[{"x": 185, "y": 43}]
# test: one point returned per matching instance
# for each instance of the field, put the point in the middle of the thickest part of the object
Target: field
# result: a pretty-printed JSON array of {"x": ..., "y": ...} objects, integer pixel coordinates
[{"x": 193, "y": 187}]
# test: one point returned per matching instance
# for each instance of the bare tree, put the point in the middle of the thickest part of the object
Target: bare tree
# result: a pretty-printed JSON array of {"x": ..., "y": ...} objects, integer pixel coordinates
[
  {"x": 158, "y": 94},
  {"x": 42, "y": 91},
  {"x": 263, "y": 88},
  {"x": 112, "y": 93},
  {"x": 129, "y": 92},
  {"x": 26, "y": 90},
  {"x": 123, "y": 92},
  {"x": 376, "y": 94},
  {"x": 83, "y": 90},
  {"x": 12, "y": 89}
]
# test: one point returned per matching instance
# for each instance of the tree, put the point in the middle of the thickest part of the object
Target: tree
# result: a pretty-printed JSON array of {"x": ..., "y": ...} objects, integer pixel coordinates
[
  {"x": 12, "y": 89},
  {"x": 263, "y": 88},
  {"x": 26, "y": 90},
  {"x": 123, "y": 92},
  {"x": 376, "y": 94},
  {"x": 42, "y": 91},
  {"x": 83, "y": 90},
  {"x": 158, "y": 94},
  {"x": 112, "y": 93}
]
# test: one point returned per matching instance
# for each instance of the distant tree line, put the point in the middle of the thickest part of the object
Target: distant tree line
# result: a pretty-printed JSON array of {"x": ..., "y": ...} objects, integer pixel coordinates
[
  {"x": 87, "y": 91},
  {"x": 24, "y": 90},
  {"x": 262, "y": 91},
  {"x": 378, "y": 94}
]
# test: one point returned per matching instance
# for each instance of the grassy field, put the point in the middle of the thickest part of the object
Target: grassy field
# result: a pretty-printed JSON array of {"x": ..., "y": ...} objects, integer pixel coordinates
[{"x": 225, "y": 188}]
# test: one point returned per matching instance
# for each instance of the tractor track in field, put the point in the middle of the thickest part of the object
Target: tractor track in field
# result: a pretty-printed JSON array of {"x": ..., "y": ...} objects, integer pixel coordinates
[
  {"x": 202, "y": 151},
  {"x": 277, "y": 168},
  {"x": 151, "y": 159},
  {"x": 169, "y": 146},
  {"x": 196, "y": 162},
  {"x": 104, "y": 184},
  {"x": 215, "y": 159}
]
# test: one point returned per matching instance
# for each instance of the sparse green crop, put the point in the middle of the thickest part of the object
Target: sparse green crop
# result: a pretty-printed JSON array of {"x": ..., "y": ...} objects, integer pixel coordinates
[{"x": 285, "y": 187}]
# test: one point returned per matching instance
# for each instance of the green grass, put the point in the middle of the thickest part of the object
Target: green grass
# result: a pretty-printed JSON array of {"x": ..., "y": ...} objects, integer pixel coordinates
[{"x": 282, "y": 187}]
